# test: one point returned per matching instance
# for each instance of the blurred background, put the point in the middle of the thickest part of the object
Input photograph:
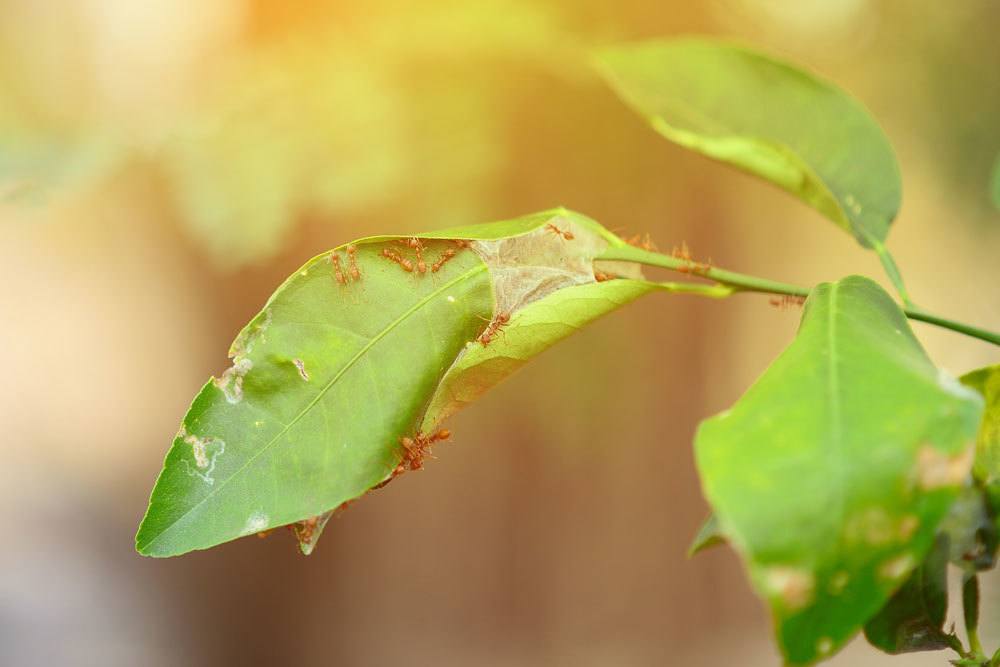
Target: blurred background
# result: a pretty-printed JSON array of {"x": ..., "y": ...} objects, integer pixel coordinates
[{"x": 164, "y": 165}]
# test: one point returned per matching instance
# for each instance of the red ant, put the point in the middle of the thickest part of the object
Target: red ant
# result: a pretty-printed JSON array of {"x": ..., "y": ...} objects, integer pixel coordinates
[
  {"x": 693, "y": 266},
  {"x": 493, "y": 328},
  {"x": 337, "y": 272},
  {"x": 355, "y": 272},
  {"x": 303, "y": 530},
  {"x": 786, "y": 301},
  {"x": 645, "y": 243},
  {"x": 396, "y": 257},
  {"x": 601, "y": 276},
  {"x": 445, "y": 257},
  {"x": 551, "y": 228},
  {"x": 415, "y": 448},
  {"x": 418, "y": 250}
]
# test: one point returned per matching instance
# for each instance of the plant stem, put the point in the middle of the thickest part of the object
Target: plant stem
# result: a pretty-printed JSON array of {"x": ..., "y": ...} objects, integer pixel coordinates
[
  {"x": 970, "y": 609},
  {"x": 739, "y": 282}
]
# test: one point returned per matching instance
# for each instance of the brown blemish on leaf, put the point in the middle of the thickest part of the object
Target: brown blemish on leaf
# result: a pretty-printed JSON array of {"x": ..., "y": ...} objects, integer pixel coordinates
[
  {"x": 301, "y": 366},
  {"x": 838, "y": 582},
  {"x": 204, "y": 462},
  {"x": 792, "y": 586},
  {"x": 897, "y": 568},
  {"x": 824, "y": 645},
  {"x": 231, "y": 382},
  {"x": 908, "y": 527},
  {"x": 936, "y": 469},
  {"x": 872, "y": 526}
]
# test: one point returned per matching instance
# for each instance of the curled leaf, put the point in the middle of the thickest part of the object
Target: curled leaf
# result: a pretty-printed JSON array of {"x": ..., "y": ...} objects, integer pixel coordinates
[{"x": 342, "y": 381}]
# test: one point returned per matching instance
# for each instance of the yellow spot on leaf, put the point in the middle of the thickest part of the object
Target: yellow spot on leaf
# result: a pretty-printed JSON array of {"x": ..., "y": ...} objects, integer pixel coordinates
[
  {"x": 838, "y": 582},
  {"x": 897, "y": 568},
  {"x": 908, "y": 527},
  {"x": 936, "y": 469},
  {"x": 792, "y": 586}
]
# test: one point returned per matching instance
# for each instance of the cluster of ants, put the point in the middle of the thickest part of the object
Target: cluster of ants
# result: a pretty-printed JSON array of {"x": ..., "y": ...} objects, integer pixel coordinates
[
  {"x": 682, "y": 252},
  {"x": 786, "y": 301},
  {"x": 418, "y": 262},
  {"x": 352, "y": 273}
]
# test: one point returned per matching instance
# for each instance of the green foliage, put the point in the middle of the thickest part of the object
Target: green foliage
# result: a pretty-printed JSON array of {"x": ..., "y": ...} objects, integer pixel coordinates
[
  {"x": 831, "y": 503},
  {"x": 770, "y": 119},
  {"x": 329, "y": 377},
  {"x": 847, "y": 477}
]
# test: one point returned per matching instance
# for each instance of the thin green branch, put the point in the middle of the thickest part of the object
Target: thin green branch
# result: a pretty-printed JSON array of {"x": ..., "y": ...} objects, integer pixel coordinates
[
  {"x": 970, "y": 609},
  {"x": 739, "y": 282},
  {"x": 892, "y": 270}
]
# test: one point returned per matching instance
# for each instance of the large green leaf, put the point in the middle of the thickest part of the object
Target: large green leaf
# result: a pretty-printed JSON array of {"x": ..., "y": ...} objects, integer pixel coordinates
[
  {"x": 831, "y": 474},
  {"x": 987, "y": 382},
  {"x": 771, "y": 119},
  {"x": 329, "y": 377},
  {"x": 913, "y": 618}
]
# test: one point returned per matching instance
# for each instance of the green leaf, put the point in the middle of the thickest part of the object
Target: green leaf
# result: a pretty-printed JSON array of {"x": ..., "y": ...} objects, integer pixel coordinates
[
  {"x": 329, "y": 377},
  {"x": 987, "y": 382},
  {"x": 709, "y": 535},
  {"x": 831, "y": 474},
  {"x": 913, "y": 618},
  {"x": 771, "y": 119}
]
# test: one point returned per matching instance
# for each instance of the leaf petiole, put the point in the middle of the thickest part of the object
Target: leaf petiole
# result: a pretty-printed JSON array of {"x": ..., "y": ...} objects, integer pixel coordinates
[{"x": 739, "y": 282}]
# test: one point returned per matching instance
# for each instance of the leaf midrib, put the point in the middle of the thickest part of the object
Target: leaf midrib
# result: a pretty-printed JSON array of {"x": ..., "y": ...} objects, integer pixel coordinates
[{"x": 375, "y": 339}]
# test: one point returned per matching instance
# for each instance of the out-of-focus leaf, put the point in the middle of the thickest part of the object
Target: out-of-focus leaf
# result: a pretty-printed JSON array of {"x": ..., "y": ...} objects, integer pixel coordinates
[
  {"x": 913, "y": 618},
  {"x": 330, "y": 377},
  {"x": 709, "y": 535},
  {"x": 831, "y": 474},
  {"x": 987, "y": 382},
  {"x": 771, "y": 119},
  {"x": 971, "y": 527},
  {"x": 33, "y": 166}
]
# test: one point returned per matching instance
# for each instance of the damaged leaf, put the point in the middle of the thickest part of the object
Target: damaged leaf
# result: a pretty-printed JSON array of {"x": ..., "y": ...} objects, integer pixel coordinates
[
  {"x": 831, "y": 474},
  {"x": 771, "y": 119},
  {"x": 913, "y": 618},
  {"x": 342, "y": 380}
]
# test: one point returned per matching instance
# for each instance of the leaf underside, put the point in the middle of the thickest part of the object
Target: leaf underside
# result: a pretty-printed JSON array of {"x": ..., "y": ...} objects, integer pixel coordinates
[
  {"x": 768, "y": 118},
  {"x": 335, "y": 371},
  {"x": 831, "y": 474}
]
